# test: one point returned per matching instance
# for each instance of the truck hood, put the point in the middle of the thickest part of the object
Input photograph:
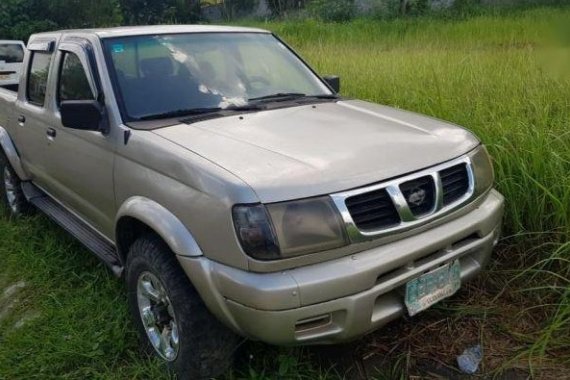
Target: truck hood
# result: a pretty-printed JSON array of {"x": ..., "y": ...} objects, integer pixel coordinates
[{"x": 310, "y": 150}]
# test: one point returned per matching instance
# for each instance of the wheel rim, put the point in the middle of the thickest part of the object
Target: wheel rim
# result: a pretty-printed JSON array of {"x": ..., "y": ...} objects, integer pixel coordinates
[
  {"x": 157, "y": 315},
  {"x": 10, "y": 186}
]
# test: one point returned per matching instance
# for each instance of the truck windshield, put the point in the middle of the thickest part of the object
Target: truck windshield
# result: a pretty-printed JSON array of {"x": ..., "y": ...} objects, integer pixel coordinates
[
  {"x": 11, "y": 53},
  {"x": 170, "y": 74}
]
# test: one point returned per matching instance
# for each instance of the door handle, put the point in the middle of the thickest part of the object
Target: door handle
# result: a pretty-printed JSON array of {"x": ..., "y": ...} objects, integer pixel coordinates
[
  {"x": 21, "y": 120},
  {"x": 51, "y": 133}
]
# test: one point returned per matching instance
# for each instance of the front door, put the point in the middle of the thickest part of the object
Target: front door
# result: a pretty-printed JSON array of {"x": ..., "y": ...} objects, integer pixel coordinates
[{"x": 79, "y": 162}]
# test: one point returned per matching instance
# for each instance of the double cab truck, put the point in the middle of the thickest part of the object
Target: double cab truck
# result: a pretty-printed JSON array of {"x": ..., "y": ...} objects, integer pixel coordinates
[{"x": 236, "y": 192}]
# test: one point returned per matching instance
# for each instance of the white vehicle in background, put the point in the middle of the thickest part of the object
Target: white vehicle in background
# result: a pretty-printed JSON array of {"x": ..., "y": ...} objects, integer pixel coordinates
[{"x": 11, "y": 62}]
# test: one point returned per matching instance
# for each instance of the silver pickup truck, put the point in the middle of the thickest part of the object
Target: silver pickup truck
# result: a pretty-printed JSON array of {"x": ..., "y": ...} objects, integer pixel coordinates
[{"x": 237, "y": 193}]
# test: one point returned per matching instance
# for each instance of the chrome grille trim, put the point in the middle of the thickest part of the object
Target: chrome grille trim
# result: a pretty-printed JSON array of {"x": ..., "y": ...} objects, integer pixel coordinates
[{"x": 408, "y": 220}]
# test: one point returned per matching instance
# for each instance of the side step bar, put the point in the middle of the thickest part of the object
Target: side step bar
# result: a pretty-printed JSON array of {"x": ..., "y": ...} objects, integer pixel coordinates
[{"x": 102, "y": 248}]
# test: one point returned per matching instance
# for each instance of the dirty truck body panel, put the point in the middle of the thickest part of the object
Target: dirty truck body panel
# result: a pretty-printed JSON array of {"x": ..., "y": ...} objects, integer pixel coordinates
[{"x": 398, "y": 194}]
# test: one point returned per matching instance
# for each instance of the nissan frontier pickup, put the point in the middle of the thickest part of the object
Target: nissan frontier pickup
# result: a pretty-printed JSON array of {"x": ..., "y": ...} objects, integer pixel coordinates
[{"x": 236, "y": 192}]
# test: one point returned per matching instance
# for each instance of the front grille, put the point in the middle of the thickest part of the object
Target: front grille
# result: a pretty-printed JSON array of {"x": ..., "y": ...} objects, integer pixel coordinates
[
  {"x": 406, "y": 201},
  {"x": 455, "y": 183},
  {"x": 420, "y": 195},
  {"x": 373, "y": 210}
]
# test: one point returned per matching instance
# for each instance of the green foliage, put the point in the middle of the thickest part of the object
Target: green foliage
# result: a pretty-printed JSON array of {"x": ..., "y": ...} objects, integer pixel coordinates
[
  {"x": 18, "y": 21},
  {"x": 20, "y": 18},
  {"x": 78, "y": 13},
  {"x": 281, "y": 8},
  {"x": 236, "y": 8},
  {"x": 383, "y": 9},
  {"x": 333, "y": 10},
  {"x": 465, "y": 7},
  {"x": 417, "y": 7},
  {"x": 149, "y": 12}
]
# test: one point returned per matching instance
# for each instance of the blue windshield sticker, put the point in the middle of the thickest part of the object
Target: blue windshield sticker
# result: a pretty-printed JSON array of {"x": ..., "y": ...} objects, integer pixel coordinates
[{"x": 118, "y": 48}]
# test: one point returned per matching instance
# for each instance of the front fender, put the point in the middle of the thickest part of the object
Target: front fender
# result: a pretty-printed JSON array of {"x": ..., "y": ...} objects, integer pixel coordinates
[
  {"x": 163, "y": 222},
  {"x": 12, "y": 154}
]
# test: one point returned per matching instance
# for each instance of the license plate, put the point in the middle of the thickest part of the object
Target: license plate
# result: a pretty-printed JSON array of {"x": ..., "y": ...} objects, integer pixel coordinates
[{"x": 432, "y": 287}]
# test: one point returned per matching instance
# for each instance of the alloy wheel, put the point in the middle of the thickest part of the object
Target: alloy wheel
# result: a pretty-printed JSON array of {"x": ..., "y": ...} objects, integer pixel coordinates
[{"x": 157, "y": 315}]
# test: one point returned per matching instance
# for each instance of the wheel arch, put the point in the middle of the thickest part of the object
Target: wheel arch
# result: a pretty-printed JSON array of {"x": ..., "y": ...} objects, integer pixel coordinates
[
  {"x": 11, "y": 153},
  {"x": 139, "y": 215}
]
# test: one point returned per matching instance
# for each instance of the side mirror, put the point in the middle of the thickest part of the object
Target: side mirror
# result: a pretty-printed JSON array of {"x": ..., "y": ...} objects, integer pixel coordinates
[
  {"x": 85, "y": 115},
  {"x": 333, "y": 81}
]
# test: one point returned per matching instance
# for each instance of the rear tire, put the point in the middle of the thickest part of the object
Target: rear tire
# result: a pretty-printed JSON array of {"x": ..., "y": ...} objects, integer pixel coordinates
[
  {"x": 170, "y": 316},
  {"x": 11, "y": 188}
]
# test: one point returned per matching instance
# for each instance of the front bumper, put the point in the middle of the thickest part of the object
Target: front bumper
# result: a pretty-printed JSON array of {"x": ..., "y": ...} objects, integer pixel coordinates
[{"x": 342, "y": 299}]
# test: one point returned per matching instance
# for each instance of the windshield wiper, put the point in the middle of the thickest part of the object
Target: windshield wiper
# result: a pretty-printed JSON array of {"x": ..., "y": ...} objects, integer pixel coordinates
[
  {"x": 245, "y": 107},
  {"x": 284, "y": 96},
  {"x": 200, "y": 111},
  {"x": 280, "y": 96},
  {"x": 181, "y": 113},
  {"x": 324, "y": 96}
]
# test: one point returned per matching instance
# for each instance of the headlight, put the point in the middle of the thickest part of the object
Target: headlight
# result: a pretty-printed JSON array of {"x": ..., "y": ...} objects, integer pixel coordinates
[
  {"x": 287, "y": 229},
  {"x": 483, "y": 170},
  {"x": 255, "y": 232}
]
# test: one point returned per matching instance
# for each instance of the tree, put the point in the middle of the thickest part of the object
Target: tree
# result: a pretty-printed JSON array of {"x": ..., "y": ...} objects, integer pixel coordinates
[
  {"x": 235, "y": 8},
  {"x": 15, "y": 20},
  {"x": 20, "y": 18},
  {"x": 148, "y": 12},
  {"x": 280, "y": 7},
  {"x": 403, "y": 6}
]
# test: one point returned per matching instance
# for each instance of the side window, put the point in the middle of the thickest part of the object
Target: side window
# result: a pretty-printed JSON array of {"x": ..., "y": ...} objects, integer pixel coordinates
[
  {"x": 37, "y": 78},
  {"x": 73, "y": 83}
]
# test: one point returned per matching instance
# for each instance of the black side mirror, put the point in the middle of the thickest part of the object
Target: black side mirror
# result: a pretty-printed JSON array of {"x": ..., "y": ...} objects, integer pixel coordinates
[
  {"x": 85, "y": 115},
  {"x": 333, "y": 81}
]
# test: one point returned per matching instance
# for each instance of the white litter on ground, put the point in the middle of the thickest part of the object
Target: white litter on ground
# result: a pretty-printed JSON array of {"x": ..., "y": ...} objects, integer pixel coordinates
[
  {"x": 25, "y": 319},
  {"x": 5, "y": 308},
  {"x": 12, "y": 289},
  {"x": 8, "y": 299}
]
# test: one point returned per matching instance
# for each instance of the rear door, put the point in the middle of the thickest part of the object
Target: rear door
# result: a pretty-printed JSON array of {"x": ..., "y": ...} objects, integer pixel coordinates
[{"x": 33, "y": 113}]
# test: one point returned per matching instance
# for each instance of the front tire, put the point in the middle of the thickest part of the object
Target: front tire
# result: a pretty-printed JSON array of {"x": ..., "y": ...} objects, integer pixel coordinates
[
  {"x": 170, "y": 316},
  {"x": 11, "y": 189}
]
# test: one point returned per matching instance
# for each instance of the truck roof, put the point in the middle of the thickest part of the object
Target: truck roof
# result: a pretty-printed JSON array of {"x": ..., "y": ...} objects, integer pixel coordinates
[{"x": 124, "y": 31}]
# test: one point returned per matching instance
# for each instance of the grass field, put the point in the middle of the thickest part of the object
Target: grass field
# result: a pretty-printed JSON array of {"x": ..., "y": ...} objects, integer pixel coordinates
[{"x": 506, "y": 77}]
